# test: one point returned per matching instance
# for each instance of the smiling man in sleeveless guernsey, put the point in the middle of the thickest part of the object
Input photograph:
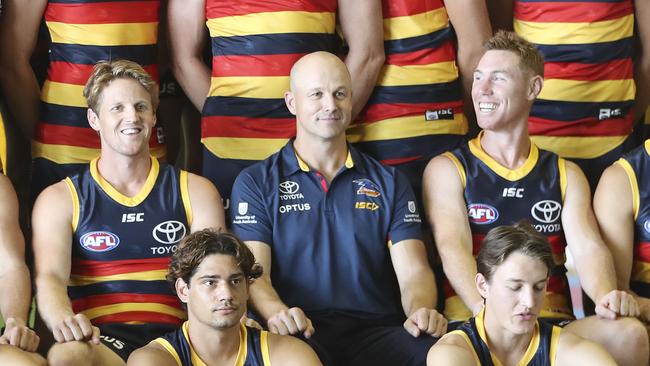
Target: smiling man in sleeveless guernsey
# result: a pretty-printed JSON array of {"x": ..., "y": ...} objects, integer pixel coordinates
[{"x": 103, "y": 237}]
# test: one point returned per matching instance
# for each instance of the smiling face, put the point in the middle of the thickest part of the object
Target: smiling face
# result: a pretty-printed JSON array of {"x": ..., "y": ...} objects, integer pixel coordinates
[
  {"x": 515, "y": 295},
  {"x": 502, "y": 92},
  {"x": 217, "y": 293},
  {"x": 124, "y": 118}
]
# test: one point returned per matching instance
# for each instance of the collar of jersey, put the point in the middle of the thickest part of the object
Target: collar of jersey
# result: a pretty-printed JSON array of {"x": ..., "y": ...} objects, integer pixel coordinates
[
  {"x": 302, "y": 165},
  {"x": 505, "y": 173},
  {"x": 530, "y": 351},
  {"x": 119, "y": 197},
  {"x": 241, "y": 354}
]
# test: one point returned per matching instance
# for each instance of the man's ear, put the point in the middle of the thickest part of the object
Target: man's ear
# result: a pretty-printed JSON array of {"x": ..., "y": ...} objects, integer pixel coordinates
[
  {"x": 482, "y": 285},
  {"x": 535, "y": 87},
  {"x": 290, "y": 101},
  {"x": 182, "y": 290},
  {"x": 93, "y": 119}
]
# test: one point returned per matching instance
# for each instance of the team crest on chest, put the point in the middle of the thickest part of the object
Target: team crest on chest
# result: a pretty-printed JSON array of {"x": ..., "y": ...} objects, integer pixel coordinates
[
  {"x": 482, "y": 214},
  {"x": 99, "y": 241},
  {"x": 366, "y": 187}
]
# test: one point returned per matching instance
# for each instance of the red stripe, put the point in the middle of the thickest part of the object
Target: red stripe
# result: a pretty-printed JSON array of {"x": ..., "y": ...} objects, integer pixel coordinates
[
  {"x": 557, "y": 284},
  {"x": 69, "y": 73},
  {"x": 75, "y": 136},
  {"x": 104, "y": 12},
  {"x": 218, "y": 9},
  {"x": 571, "y": 12},
  {"x": 446, "y": 52},
  {"x": 583, "y": 127},
  {"x": 219, "y": 126},
  {"x": 477, "y": 241},
  {"x": 255, "y": 65},
  {"x": 398, "y": 161},
  {"x": 121, "y": 298},
  {"x": 97, "y": 268},
  {"x": 557, "y": 243},
  {"x": 398, "y": 8},
  {"x": 138, "y": 316},
  {"x": 614, "y": 70},
  {"x": 642, "y": 252},
  {"x": 380, "y": 112}
]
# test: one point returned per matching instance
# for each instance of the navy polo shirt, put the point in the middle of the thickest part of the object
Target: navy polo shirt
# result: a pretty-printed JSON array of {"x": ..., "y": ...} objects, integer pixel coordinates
[{"x": 330, "y": 243}]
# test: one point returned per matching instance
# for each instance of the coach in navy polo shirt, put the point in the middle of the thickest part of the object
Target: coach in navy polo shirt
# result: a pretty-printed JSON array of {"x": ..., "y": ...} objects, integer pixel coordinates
[{"x": 338, "y": 235}]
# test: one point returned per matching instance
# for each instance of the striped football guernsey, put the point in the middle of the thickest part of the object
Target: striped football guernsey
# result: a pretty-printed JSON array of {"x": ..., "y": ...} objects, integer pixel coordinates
[
  {"x": 416, "y": 107},
  {"x": 84, "y": 32},
  {"x": 585, "y": 107}
]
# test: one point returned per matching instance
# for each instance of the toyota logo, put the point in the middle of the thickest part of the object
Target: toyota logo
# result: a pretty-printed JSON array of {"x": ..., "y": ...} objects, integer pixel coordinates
[
  {"x": 169, "y": 232},
  {"x": 546, "y": 211},
  {"x": 289, "y": 187}
]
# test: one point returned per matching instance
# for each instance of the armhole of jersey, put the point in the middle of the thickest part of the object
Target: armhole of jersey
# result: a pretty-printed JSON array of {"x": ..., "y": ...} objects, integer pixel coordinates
[
  {"x": 469, "y": 344},
  {"x": 631, "y": 176},
  {"x": 561, "y": 166},
  {"x": 555, "y": 340},
  {"x": 185, "y": 196},
  {"x": 166, "y": 345},
  {"x": 75, "y": 204},
  {"x": 3, "y": 145},
  {"x": 264, "y": 345},
  {"x": 459, "y": 167}
]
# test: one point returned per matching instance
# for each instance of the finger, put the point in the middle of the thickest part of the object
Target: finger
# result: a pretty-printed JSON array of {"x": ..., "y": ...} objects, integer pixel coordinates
[
  {"x": 281, "y": 327},
  {"x": 309, "y": 330},
  {"x": 25, "y": 338},
  {"x": 624, "y": 306},
  {"x": 75, "y": 330},
  {"x": 411, "y": 328},
  {"x": 14, "y": 337},
  {"x": 605, "y": 312},
  {"x": 94, "y": 338},
  {"x": 58, "y": 335},
  {"x": 4, "y": 340},
  {"x": 614, "y": 304},
  {"x": 422, "y": 318},
  {"x": 442, "y": 327},
  {"x": 33, "y": 344},
  {"x": 85, "y": 326},
  {"x": 301, "y": 320},
  {"x": 68, "y": 336}
]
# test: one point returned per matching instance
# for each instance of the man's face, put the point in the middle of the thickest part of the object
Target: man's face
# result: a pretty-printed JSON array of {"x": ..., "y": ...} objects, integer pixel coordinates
[
  {"x": 125, "y": 117},
  {"x": 321, "y": 99},
  {"x": 217, "y": 293},
  {"x": 515, "y": 295},
  {"x": 501, "y": 91}
]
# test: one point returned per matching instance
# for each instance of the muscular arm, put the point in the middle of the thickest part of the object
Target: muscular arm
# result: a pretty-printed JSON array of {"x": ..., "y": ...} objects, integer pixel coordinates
[
  {"x": 573, "y": 350},
  {"x": 291, "y": 351},
  {"x": 447, "y": 213},
  {"x": 207, "y": 208},
  {"x": 642, "y": 61},
  {"x": 18, "y": 35},
  {"x": 187, "y": 36},
  {"x": 451, "y": 350},
  {"x": 361, "y": 23}
]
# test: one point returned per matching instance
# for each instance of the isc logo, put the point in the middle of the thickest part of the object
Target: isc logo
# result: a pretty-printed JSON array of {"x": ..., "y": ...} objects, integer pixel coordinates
[
  {"x": 482, "y": 214},
  {"x": 366, "y": 206},
  {"x": 99, "y": 241},
  {"x": 513, "y": 192},
  {"x": 133, "y": 217}
]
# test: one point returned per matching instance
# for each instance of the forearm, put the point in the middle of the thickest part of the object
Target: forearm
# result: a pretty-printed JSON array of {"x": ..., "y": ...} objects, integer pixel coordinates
[
  {"x": 419, "y": 292},
  {"x": 460, "y": 271},
  {"x": 264, "y": 299},
  {"x": 364, "y": 66},
  {"x": 595, "y": 269},
  {"x": 642, "y": 80},
  {"x": 53, "y": 302},
  {"x": 194, "y": 77},
  {"x": 21, "y": 91},
  {"x": 16, "y": 292}
]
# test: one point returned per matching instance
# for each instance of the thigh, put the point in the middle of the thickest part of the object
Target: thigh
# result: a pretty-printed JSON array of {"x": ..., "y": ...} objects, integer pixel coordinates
[
  {"x": 388, "y": 345},
  {"x": 78, "y": 353},
  {"x": 14, "y": 356}
]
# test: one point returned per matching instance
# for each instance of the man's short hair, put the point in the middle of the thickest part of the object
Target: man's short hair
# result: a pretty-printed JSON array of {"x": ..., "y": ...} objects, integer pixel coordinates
[
  {"x": 502, "y": 241},
  {"x": 530, "y": 58},
  {"x": 196, "y": 246},
  {"x": 105, "y": 72}
]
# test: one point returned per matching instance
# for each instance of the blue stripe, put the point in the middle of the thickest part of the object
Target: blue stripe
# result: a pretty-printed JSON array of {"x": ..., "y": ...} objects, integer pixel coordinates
[
  {"x": 125, "y": 286},
  {"x": 431, "y": 40},
  {"x": 640, "y": 288},
  {"x": 571, "y": 111},
  {"x": 429, "y": 93},
  {"x": 89, "y": 55},
  {"x": 64, "y": 115},
  {"x": 275, "y": 44},
  {"x": 246, "y": 107},
  {"x": 592, "y": 53},
  {"x": 424, "y": 146}
]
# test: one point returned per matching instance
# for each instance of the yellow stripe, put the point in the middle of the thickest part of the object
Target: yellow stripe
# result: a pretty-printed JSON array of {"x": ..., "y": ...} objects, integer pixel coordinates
[
  {"x": 578, "y": 147},
  {"x": 459, "y": 167},
  {"x": 455, "y": 309},
  {"x": 469, "y": 344},
  {"x": 166, "y": 345},
  {"x": 266, "y": 87},
  {"x": 415, "y": 25},
  {"x": 75, "y": 204},
  {"x": 116, "y": 34},
  {"x": 301, "y": 163},
  {"x": 243, "y": 148},
  {"x": 555, "y": 340},
  {"x": 634, "y": 185},
  {"x": 555, "y": 33},
  {"x": 588, "y": 91},
  {"x": 185, "y": 197},
  {"x": 505, "y": 173},
  {"x": 153, "y": 275},
  {"x": 272, "y": 23},
  {"x": 3, "y": 142},
  {"x": 405, "y": 127},
  {"x": 96, "y": 312},
  {"x": 436, "y": 73},
  {"x": 66, "y": 154},
  {"x": 63, "y": 94},
  {"x": 116, "y": 195},
  {"x": 641, "y": 271},
  {"x": 556, "y": 306},
  {"x": 561, "y": 164},
  {"x": 243, "y": 346},
  {"x": 389, "y": 244},
  {"x": 264, "y": 345},
  {"x": 532, "y": 347},
  {"x": 195, "y": 359}
]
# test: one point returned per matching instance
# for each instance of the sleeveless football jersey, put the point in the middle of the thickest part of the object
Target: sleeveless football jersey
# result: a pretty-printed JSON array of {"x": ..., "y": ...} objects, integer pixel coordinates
[
  {"x": 121, "y": 248},
  {"x": 498, "y": 196},
  {"x": 253, "y": 347},
  {"x": 585, "y": 107}
]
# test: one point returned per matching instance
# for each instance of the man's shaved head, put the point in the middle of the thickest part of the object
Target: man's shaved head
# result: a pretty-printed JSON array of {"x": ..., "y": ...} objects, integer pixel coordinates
[{"x": 314, "y": 62}]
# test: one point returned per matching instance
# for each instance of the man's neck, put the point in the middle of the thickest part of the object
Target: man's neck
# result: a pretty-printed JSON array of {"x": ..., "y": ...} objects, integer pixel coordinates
[
  {"x": 510, "y": 148},
  {"x": 326, "y": 157},
  {"x": 509, "y": 348},
  {"x": 127, "y": 174},
  {"x": 215, "y": 346}
]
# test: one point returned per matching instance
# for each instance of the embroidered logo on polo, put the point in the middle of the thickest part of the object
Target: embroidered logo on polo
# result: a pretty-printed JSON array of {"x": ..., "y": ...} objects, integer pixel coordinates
[
  {"x": 289, "y": 191},
  {"x": 366, "y": 187},
  {"x": 99, "y": 241}
]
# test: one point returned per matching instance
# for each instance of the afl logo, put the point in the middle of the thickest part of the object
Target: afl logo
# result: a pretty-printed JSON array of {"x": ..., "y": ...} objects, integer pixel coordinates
[
  {"x": 99, "y": 241},
  {"x": 546, "y": 211},
  {"x": 289, "y": 187},
  {"x": 646, "y": 225},
  {"x": 482, "y": 214},
  {"x": 169, "y": 232}
]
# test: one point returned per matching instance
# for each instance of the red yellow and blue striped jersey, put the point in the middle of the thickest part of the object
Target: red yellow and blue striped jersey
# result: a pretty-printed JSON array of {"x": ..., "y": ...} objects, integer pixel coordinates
[
  {"x": 585, "y": 107},
  {"x": 82, "y": 33},
  {"x": 121, "y": 248},
  {"x": 418, "y": 92}
]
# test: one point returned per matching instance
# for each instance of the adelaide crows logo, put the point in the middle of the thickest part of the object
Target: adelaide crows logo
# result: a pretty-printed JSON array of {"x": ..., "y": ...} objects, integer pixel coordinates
[{"x": 367, "y": 187}]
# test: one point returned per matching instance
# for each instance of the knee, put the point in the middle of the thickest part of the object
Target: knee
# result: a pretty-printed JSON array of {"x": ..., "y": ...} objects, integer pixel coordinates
[
  {"x": 634, "y": 343},
  {"x": 70, "y": 353}
]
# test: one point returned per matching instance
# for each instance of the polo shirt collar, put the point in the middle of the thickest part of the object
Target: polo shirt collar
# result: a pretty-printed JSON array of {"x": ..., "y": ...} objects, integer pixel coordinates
[{"x": 292, "y": 162}]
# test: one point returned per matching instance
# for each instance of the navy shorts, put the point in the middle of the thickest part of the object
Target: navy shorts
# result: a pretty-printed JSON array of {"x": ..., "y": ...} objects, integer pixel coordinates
[{"x": 119, "y": 346}]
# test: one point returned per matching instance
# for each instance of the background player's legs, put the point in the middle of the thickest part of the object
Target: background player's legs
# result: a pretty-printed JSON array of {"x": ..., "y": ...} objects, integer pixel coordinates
[
  {"x": 78, "y": 353},
  {"x": 389, "y": 345},
  {"x": 14, "y": 356}
]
